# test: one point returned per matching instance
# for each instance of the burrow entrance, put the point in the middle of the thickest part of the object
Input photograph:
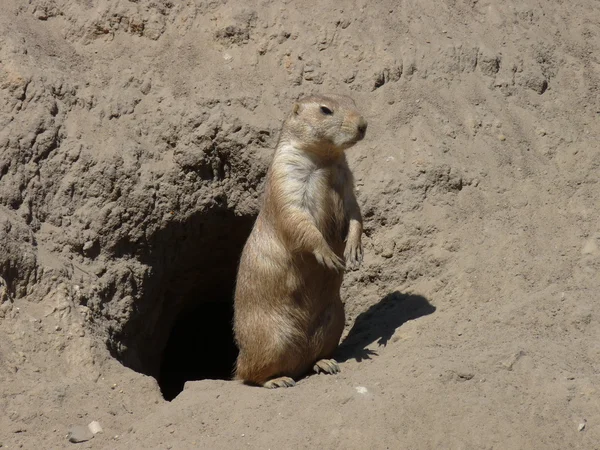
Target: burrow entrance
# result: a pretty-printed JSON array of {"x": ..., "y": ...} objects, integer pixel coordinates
[
  {"x": 181, "y": 326},
  {"x": 200, "y": 346}
]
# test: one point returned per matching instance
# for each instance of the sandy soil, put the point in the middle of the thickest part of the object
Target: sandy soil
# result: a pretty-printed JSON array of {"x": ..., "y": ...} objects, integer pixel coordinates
[{"x": 134, "y": 140}]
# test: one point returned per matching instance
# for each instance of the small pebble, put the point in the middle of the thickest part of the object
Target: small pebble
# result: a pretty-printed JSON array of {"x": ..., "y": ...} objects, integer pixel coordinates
[
  {"x": 95, "y": 427},
  {"x": 361, "y": 389},
  {"x": 581, "y": 426},
  {"x": 502, "y": 137},
  {"x": 79, "y": 433}
]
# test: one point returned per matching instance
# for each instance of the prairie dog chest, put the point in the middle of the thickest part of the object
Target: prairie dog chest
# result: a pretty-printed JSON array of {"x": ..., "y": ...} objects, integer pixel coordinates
[{"x": 320, "y": 191}]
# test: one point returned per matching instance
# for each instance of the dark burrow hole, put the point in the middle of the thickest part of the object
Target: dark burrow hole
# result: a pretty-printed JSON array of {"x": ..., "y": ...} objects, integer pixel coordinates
[
  {"x": 181, "y": 327},
  {"x": 200, "y": 346}
]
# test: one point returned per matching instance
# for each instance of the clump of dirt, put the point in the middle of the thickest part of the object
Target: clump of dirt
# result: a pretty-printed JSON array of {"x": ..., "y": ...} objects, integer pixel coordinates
[{"x": 134, "y": 141}]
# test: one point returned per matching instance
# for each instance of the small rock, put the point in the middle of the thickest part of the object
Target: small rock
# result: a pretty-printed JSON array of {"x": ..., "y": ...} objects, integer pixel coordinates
[
  {"x": 89, "y": 248},
  {"x": 510, "y": 362},
  {"x": 79, "y": 433},
  {"x": 581, "y": 426},
  {"x": 145, "y": 87},
  {"x": 464, "y": 376},
  {"x": 95, "y": 427},
  {"x": 361, "y": 389},
  {"x": 388, "y": 249},
  {"x": 40, "y": 15},
  {"x": 535, "y": 80},
  {"x": 100, "y": 270},
  {"x": 350, "y": 78},
  {"x": 502, "y": 137}
]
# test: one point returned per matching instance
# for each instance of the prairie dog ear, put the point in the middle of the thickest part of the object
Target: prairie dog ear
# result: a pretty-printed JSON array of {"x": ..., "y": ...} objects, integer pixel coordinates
[{"x": 296, "y": 109}]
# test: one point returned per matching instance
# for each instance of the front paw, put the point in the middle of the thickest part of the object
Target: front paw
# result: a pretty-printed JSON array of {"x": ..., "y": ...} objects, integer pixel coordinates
[
  {"x": 281, "y": 382},
  {"x": 329, "y": 366},
  {"x": 328, "y": 258},
  {"x": 353, "y": 254}
]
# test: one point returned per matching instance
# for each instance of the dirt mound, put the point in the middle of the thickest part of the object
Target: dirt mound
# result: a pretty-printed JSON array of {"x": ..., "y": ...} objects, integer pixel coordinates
[{"x": 134, "y": 140}]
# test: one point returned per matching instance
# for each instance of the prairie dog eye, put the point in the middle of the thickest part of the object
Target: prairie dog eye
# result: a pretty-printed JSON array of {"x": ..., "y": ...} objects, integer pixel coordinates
[{"x": 325, "y": 110}]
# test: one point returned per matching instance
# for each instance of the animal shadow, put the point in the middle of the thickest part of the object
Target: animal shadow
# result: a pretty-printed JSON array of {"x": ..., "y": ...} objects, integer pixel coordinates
[{"x": 379, "y": 323}]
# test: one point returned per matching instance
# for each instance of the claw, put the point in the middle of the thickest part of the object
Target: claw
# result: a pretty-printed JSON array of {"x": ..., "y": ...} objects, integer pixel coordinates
[
  {"x": 329, "y": 366},
  {"x": 330, "y": 260},
  {"x": 279, "y": 383},
  {"x": 354, "y": 256}
]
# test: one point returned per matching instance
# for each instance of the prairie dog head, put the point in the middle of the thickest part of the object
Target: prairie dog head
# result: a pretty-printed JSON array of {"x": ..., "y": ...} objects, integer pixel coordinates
[{"x": 325, "y": 123}]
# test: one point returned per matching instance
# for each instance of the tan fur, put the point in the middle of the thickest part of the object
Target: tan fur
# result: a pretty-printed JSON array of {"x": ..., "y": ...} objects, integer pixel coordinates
[{"x": 288, "y": 313}]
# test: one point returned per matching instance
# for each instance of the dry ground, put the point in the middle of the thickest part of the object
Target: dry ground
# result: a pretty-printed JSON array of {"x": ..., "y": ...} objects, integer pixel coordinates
[{"x": 134, "y": 138}]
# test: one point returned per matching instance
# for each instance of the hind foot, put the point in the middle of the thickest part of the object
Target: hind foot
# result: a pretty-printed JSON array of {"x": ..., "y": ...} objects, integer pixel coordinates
[
  {"x": 329, "y": 366},
  {"x": 279, "y": 382}
]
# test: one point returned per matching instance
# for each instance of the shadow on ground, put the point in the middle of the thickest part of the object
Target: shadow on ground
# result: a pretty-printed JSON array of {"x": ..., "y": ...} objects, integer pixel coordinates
[{"x": 380, "y": 322}]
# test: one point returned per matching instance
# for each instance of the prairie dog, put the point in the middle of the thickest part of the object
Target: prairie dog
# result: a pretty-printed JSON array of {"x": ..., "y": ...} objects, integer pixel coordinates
[{"x": 288, "y": 315}]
